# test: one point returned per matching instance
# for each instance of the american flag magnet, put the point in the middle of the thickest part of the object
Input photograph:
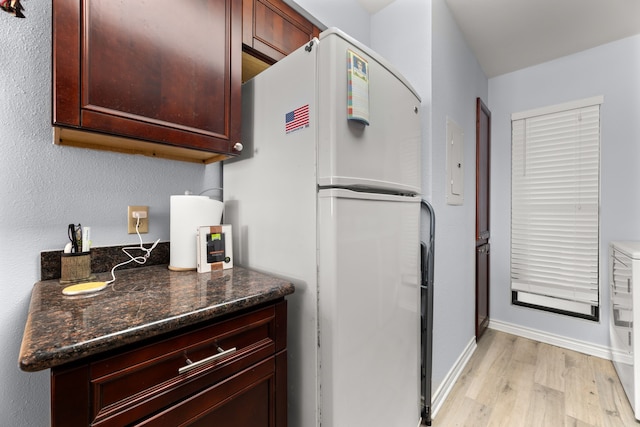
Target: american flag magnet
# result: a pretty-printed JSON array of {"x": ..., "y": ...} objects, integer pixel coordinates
[{"x": 296, "y": 119}]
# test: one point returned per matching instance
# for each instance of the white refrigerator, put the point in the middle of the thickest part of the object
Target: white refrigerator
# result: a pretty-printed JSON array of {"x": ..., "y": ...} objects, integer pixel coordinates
[{"x": 328, "y": 197}]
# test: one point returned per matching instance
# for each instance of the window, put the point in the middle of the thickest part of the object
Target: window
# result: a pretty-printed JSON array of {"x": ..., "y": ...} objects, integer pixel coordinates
[{"x": 554, "y": 208}]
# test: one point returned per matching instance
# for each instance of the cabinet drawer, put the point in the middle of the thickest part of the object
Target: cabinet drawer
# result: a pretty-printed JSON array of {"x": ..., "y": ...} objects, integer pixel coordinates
[
  {"x": 239, "y": 401},
  {"x": 129, "y": 385}
]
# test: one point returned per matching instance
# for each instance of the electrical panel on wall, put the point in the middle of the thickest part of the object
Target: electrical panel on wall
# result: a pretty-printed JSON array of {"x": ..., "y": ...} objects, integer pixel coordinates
[{"x": 455, "y": 165}]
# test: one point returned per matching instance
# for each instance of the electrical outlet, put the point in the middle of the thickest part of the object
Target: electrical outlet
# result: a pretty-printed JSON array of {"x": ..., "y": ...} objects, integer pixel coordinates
[{"x": 143, "y": 227}]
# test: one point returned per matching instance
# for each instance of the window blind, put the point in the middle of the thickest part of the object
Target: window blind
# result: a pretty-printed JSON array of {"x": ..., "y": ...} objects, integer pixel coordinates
[{"x": 554, "y": 210}]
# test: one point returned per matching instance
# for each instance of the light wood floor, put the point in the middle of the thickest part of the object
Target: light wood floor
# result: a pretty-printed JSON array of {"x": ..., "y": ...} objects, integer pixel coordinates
[{"x": 512, "y": 381}]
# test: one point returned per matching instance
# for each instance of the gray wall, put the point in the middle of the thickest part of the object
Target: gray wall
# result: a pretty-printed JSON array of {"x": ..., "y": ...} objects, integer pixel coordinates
[
  {"x": 44, "y": 187},
  {"x": 401, "y": 33},
  {"x": 348, "y": 15},
  {"x": 611, "y": 70},
  {"x": 457, "y": 80}
]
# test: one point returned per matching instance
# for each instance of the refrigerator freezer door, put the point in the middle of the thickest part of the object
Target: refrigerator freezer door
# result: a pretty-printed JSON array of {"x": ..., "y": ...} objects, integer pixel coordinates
[
  {"x": 384, "y": 154},
  {"x": 369, "y": 318}
]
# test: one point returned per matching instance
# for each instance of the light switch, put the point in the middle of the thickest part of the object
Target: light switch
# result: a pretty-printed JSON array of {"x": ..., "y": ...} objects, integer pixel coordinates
[{"x": 455, "y": 165}]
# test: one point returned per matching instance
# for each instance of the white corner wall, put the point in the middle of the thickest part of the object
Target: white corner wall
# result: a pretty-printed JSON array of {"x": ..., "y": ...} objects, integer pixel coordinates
[
  {"x": 347, "y": 15},
  {"x": 611, "y": 70},
  {"x": 457, "y": 80},
  {"x": 401, "y": 33},
  {"x": 44, "y": 187}
]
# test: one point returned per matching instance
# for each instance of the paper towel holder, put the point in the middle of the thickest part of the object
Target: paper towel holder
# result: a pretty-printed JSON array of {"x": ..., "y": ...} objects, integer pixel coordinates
[{"x": 187, "y": 213}]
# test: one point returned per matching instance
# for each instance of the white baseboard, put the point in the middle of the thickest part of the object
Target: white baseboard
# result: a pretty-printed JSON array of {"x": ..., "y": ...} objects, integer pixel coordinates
[
  {"x": 603, "y": 352},
  {"x": 440, "y": 395}
]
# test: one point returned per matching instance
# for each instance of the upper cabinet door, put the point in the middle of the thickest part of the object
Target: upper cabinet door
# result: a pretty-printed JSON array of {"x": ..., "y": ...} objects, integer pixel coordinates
[
  {"x": 163, "y": 71},
  {"x": 273, "y": 29}
]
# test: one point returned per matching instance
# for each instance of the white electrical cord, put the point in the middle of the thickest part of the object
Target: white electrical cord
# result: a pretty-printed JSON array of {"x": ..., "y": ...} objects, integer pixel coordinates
[
  {"x": 220, "y": 189},
  {"x": 140, "y": 259}
]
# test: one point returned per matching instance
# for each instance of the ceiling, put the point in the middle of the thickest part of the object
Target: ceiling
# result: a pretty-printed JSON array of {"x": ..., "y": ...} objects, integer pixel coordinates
[{"x": 508, "y": 35}]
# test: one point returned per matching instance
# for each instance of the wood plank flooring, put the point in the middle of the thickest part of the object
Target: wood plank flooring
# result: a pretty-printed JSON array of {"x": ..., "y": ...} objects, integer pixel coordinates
[{"x": 512, "y": 381}]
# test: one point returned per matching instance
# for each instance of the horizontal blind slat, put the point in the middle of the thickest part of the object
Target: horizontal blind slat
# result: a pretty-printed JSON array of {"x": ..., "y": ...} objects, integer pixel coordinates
[{"x": 555, "y": 200}]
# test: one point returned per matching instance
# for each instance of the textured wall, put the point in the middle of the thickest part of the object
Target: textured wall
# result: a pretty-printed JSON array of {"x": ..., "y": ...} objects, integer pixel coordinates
[{"x": 44, "y": 187}]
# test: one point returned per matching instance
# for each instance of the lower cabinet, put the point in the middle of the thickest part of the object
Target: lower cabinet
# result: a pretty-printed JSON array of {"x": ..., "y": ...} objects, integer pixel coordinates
[
  {"x": 231, "y": 372},
  {"x": 242, "y": 400}
]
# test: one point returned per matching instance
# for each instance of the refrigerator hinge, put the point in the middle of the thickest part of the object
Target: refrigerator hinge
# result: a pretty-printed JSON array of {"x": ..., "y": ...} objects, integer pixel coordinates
[{"x": 309, "y": 46}]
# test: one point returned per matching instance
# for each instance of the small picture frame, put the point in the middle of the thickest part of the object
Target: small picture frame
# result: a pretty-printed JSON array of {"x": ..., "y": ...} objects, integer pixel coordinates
[{"x": 215, "y": 249}]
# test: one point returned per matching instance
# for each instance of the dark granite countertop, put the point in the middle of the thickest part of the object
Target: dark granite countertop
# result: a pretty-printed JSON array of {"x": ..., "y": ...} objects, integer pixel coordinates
[{"x": 140, "y": 304}]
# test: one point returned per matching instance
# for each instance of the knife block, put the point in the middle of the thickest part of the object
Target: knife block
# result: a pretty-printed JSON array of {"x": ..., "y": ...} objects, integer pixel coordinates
[{"x": 75, "y": 267}]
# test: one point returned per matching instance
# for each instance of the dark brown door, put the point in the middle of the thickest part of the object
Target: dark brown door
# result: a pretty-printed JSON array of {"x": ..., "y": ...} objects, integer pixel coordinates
[{"x": 483, "y": 144}]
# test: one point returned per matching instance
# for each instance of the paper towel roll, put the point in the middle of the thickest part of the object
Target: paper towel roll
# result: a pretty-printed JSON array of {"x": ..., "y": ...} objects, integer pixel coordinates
[{"x": 187, "y": 214}]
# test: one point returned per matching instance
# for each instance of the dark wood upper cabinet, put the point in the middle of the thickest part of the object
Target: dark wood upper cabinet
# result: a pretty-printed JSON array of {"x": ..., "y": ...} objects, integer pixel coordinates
[
  {"x": 272, "y": 29},
  {"x": 158, "y": 78}
]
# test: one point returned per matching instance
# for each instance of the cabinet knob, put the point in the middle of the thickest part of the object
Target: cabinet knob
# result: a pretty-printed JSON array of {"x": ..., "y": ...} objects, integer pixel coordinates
[{"x": 238, "y": 146}]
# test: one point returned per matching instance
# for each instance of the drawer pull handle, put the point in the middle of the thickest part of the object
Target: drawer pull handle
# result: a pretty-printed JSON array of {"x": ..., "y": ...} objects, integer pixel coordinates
[{"x": 193, "y": 365}]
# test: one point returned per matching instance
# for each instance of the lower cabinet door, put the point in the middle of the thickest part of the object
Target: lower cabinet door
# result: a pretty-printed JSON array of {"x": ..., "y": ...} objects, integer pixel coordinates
[
  {"x": 243, "y": 400},
  {"x": 482, "y": 289}
]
